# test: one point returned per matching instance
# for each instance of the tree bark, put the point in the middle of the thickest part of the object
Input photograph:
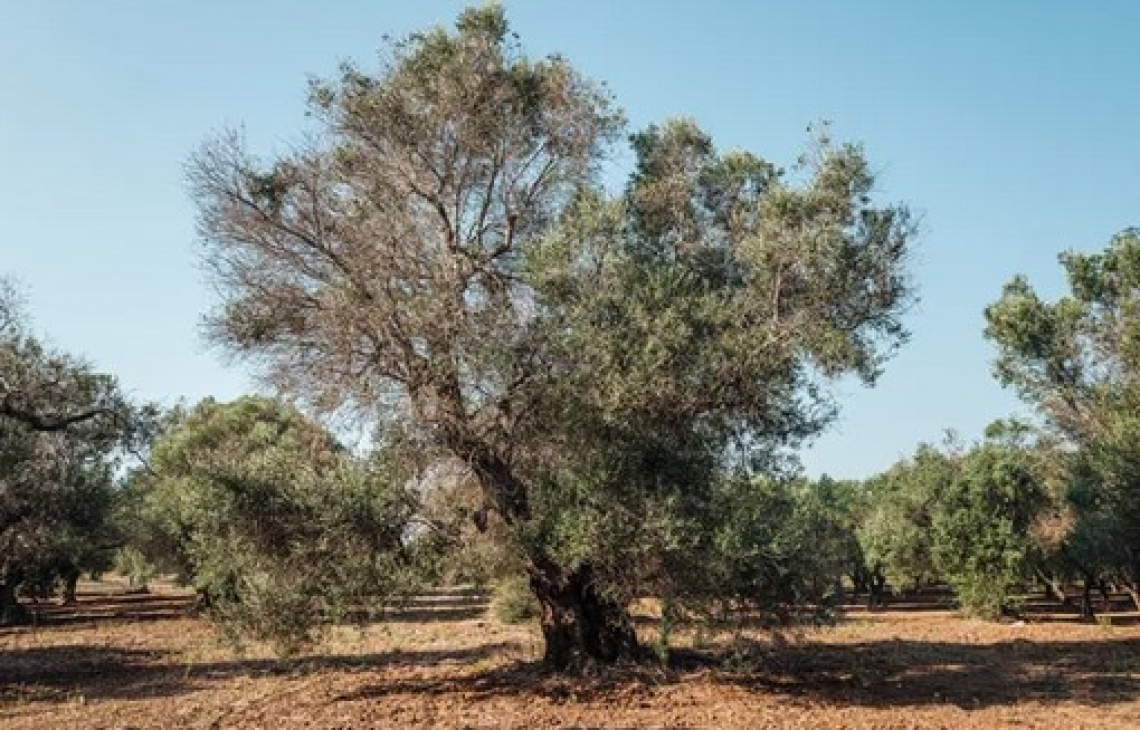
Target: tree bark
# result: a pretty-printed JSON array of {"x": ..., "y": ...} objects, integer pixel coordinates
[
  {"x": 46, "y": 423},
  {"x": 70, "y": 586},
  {"x": 11, "y": 612},
  {"x": 1087, "y": 612},
  {"x": 1054, "y": 589},
  {"x": 859, "y": 583},
  {"x": 581, "y": 626},
  {"x": 877, "y": 595}
]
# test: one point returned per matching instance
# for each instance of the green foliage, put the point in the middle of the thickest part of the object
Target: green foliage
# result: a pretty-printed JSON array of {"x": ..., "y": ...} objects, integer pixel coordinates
[
  {"x": 130, "y": 562},
  {"x": 1077, "y": 360},
  {"x": 972, "y": 518},
  {"x": 731, "y": 308},
  {"x": 61, "y": 428},
  {"x": 277, "y": 527},
  {"x": 982, "y": 543},
  {"x": 772, "y": 552},
  {"x": 897, "y": 531},
  {"x": 837, "y": 509},
  {"x": 514, "y": 602}
]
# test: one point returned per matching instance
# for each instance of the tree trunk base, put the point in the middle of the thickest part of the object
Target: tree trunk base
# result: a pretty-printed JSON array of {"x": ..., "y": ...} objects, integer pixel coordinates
[
  {"x": 70, "y": 588},
  {"x": 11, "y": 612},
  {"x": 581, "y": 626}
]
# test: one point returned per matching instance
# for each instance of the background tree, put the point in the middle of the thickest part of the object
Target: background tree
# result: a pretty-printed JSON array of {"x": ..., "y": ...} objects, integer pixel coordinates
[
  {"x": 842, "y": 507},
  {"x": 897, "y": 533},
  {"x": 777, "y": 554},
  {"x": 278, "y": 528},
  {"x": 1077, "y": 360},
  {"x": 982, "y": 544},
  {"x": 60, "y": 427},
  {"x": 441, "y": 256},
  {"x": 979, "y": 519}
]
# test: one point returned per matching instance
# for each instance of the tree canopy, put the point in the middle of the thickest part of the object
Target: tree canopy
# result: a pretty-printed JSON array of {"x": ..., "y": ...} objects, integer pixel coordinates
[
  {"x": 61, "y": 424},
  {"x": 1077, "y": 360},
  {"x": 441, "y": 255},
  {"x": 274, "y": 523}
]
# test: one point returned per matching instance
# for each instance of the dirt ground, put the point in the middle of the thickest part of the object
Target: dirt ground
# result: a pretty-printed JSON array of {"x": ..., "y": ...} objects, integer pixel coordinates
[{"x": 120, "y": 661}]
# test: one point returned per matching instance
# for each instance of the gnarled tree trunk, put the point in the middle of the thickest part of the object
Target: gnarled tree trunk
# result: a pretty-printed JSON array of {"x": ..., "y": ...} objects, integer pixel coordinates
[{"x": 580, "y": 624}]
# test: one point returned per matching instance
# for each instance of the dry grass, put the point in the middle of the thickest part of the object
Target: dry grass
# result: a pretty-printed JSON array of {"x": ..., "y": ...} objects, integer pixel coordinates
[{"x": 120, "y": 662}]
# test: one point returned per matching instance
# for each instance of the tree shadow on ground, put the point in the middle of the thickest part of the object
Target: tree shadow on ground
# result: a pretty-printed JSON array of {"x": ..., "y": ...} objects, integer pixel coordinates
[
  {"x": 908, "y": 672},
  {"x": 436, "y": 608},
  {"x": 439, "y": 606},
  {"x": 893, "y": 673},
  {"x": 886, "y": 673},
  {"x": 52, "y": 673},
  {"x": 122, "y": 608}
]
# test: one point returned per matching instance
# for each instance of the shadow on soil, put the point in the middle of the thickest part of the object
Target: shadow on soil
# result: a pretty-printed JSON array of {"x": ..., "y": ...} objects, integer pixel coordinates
[
  {"x": 124, "y": 607},
  {"x": 49, "y": 674},
  {"x": 70, "y": 671},
  {"x": 873, "y": 674},
  {"x": 907, "y": 672},
  {"x": 438, "y": 607},
  {"x": 890, "y": 673}
]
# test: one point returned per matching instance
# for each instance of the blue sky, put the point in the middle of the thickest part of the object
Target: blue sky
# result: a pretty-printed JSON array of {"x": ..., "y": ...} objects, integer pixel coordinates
[{"x": 1010, "y": 127}]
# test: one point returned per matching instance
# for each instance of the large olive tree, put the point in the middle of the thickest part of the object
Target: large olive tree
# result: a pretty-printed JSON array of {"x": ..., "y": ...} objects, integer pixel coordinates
[{"x": 441, "y": 254}]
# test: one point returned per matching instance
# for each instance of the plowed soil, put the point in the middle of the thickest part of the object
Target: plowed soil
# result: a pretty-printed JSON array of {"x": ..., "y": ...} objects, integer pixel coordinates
[{"x": 117, "y": 661}]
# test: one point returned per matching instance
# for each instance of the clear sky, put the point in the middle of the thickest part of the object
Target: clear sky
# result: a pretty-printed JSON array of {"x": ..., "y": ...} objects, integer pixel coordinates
[{"x": 1011, "y": 127}]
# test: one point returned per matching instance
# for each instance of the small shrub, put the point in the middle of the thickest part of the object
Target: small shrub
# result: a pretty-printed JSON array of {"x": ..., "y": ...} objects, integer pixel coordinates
[
  {"x": 271, "y": 609},
  {"x": 513, "y": 601}
]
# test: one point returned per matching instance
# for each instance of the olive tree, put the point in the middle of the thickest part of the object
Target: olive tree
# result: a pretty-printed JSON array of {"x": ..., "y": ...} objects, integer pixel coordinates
[
  {"x": 61, "y": 424},
  {"x": 975, "y": 518},
  {"x": 1077, "y": 360},
  {"x": 279, "y": 529},
  {"x": 982, "y": 541},
  {"x": 897, "y": 529},
  {"x": 441, "y": 255}
]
